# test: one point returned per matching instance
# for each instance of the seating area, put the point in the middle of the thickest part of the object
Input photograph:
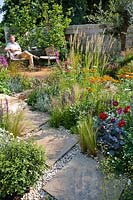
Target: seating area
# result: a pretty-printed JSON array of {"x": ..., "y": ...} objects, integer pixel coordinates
[{"x": 50, "y": 55}]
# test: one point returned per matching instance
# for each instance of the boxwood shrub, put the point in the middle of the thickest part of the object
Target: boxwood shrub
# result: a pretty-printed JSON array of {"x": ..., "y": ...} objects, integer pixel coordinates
[{"x": 21, "y": 164}]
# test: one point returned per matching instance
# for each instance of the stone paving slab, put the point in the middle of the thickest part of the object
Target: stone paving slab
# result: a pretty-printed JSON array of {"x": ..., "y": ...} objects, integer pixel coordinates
[
  {"x": 81, "y": 179},
  {"x": 56, "y": 143},
  {"x": 13, "y": 103},
  {"x": 35, "y": 118}
]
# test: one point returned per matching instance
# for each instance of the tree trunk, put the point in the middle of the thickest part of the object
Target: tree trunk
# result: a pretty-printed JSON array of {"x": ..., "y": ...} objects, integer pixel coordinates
[{"x": 123, "y": 41}]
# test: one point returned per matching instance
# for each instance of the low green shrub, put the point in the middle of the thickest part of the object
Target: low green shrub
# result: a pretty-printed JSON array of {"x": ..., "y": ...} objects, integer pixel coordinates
[
  {"x": 13, "y": 83},
  {"x": 122, "y": 164},
  {"x": 4, "y": 78},
  {"x": 69, "y": 117},
  {"x": 39, "y": 99},
  {"x": 19, "y": 83},
  {"x": 65, "y": 116},
  {"x": 21, "y": 164}
]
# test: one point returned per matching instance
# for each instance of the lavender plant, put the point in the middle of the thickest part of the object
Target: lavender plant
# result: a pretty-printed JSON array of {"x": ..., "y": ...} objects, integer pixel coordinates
[{"x": 3, "y": 62}]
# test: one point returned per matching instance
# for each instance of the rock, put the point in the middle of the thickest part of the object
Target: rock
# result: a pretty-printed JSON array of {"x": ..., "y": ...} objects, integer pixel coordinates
[
  {"x": 81, "y": 179},
  {"x": 56, "y": 143},
  {"x": 13, "y": 103}
]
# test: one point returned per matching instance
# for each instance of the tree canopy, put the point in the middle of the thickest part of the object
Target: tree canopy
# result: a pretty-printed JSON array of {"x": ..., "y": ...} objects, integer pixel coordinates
[
  {"x": 118, "y": 15},
  {"x": 30, "y": 20},
  {"x": 79, "y": 9}
]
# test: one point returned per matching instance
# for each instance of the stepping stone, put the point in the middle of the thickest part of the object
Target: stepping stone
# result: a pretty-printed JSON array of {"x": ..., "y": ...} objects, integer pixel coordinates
[
  {"x": 56, "y": 143},
  {"x": 81, "y": 179},
  {"x": 35, "y": 118},
  {"x": 13, "y": 103}
]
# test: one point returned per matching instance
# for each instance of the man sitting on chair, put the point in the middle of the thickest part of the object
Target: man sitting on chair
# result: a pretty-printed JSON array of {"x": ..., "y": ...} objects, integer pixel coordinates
[{"x": 16, "y": 52}]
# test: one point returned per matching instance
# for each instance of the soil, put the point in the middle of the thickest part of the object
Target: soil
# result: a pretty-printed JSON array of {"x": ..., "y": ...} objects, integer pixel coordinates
[{"x": 39, "y": 73}]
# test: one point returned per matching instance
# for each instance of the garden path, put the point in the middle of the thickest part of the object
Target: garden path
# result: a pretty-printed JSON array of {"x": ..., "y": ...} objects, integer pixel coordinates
[
  {"x": 77, "y": 176},
  {"x": 40, "y": 73}
]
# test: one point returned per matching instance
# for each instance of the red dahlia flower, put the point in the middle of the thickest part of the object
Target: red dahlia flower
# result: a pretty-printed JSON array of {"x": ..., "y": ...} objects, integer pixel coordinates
[
  {"x": 121, "y": 123},
  {"x": 103, "y": 116},
  {"x": 127, "y": 109}
]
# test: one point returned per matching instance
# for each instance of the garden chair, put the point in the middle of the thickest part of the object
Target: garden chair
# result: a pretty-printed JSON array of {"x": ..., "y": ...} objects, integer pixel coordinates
[
  {"x": 20, "y": 62},
  {"x": 12, "y": 58},
  {"x": 50, "y": 54}
]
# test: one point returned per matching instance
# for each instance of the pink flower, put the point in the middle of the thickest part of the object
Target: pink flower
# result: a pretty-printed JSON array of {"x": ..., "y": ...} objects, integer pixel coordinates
[
  {"x": 119, "y": 111},
  {"x": 57, "y": 57}
]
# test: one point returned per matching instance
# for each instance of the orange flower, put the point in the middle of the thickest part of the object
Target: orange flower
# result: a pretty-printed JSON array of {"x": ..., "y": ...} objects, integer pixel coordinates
[
  {"x": 89, "y": 89},
  {"x": 92, "y": 70}
]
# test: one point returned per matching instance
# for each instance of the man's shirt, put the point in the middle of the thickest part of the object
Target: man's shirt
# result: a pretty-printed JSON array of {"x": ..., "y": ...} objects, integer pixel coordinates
[{"x": 14, "y": 46}]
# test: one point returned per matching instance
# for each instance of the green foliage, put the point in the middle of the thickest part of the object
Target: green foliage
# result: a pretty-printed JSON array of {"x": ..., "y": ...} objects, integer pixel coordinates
[
  {"x": 19, "y": 83},
  {"x": 2, "y": 39},
  {"x": 127, "y": 193},
  {"x": 118, "y": 15},
  {"x": 115, "y": 14},
  {"x": 92, "y": 54},
  {"x": 69, "y": 117},
  {"x": 21, "y": 164},
  {"x": 123, "y": 163},
  {"x": 37, "y": 23},
  {"x": 13, "y": 83},
  {"x": 40, "y": 97},
  {"x": 69, "y": 106},
  {"x": 124, "y": 92},
  {"x": 56, "y": 117},
  {"x": 4, "y": 78},
  {"x": 78, "y": 10},
  {"x": 87, "y": 136},
  {"x": 56, "y": 23},
  {"x": 14, "y": 122}
]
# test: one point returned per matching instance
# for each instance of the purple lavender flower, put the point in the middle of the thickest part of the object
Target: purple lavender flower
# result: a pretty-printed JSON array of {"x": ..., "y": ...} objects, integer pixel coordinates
[
  {"x": 3, "y": 61},
  {"x": 57, "y": 57}
]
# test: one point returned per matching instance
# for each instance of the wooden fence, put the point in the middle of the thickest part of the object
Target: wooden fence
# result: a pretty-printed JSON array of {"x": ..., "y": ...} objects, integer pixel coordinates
[{"x": 95, "y": 29}]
